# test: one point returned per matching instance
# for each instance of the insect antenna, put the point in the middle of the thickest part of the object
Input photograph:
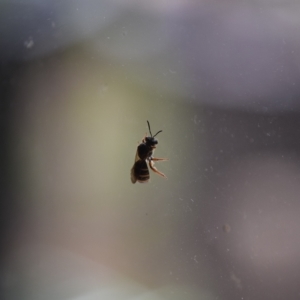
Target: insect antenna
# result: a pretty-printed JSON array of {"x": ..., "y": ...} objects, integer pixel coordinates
[
  {"x": 157, "y": 133},
  {"x": 150, "y": 130}
]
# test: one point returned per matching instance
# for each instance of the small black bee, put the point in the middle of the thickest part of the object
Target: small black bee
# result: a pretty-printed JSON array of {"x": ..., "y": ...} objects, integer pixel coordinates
[{"x": 140, "y": 171}]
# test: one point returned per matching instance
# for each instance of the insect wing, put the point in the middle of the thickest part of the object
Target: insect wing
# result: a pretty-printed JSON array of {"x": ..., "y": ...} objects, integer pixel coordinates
[
  {"x": 132, "y": 175},
  {"x": 132, "y": 172},
  {"x": 136, "y": 156}
]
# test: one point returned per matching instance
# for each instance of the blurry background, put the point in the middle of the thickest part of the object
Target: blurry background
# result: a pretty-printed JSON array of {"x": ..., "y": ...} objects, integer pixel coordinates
[{"x": 78, "y": 81}]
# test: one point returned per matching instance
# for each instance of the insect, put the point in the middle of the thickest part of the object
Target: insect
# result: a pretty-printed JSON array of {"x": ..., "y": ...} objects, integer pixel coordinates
[{"x": 140, "y": 171}]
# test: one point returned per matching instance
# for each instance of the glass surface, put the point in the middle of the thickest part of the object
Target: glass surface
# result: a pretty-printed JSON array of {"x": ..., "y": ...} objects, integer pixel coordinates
[{"x": 80, "y": 79}]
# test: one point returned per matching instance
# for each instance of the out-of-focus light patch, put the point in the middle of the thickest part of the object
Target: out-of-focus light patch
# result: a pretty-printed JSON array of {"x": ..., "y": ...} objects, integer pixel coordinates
[
  {"x": 77, "y": 133},
  {"x": 289, "y": 14},
  {"x": 248, "y": 60},
  {"x": 166, "y": 7},
  {"x": 130, "y": 44},
  {"x": 40, "y": 270},
  {"x": 82, "y": 119},
  {"x": 227, "y": 54},
  {"x": 45, "y": 272},
  {"x": 75, "y": 129},
  {"x": 52, "y": 25},
  {"x": 264, "y": 210},
  {"x": 176, "y": 292},
  {"x": 233, "y": 56}
]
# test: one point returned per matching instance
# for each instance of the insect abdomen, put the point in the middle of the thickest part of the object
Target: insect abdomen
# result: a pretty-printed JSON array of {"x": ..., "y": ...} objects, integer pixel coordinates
[{"x": 141, "y": 171}]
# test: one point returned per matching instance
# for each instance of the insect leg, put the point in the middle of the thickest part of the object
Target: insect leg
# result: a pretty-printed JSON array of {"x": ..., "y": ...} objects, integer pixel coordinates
[
  {"x": 151, "y": 165},
  {"x": 159, "y": 159}
]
